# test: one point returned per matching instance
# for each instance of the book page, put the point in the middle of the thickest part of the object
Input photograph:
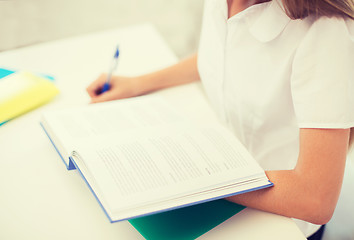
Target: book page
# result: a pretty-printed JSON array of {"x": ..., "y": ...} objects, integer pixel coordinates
[
  {"x": 116, "y": 116},
  {"x": 139, "y": 154},
  {"x": 168, "y": 163},
  {"x": 86, "y": 123}
]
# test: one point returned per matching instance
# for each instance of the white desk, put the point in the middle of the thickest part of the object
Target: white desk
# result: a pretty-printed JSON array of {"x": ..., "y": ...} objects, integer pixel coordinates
[{"x": 39, "y": 198}]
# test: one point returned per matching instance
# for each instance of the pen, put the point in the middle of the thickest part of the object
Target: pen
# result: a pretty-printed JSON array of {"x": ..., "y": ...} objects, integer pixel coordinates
[{"x": 107, "y": 85}]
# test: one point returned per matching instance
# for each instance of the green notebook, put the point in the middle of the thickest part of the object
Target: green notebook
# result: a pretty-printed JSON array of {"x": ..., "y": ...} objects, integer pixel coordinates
[{"x": 186, "y": 223}]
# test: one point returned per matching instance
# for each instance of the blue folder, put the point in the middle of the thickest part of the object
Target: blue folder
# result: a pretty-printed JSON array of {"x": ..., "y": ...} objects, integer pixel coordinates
[{"x": 4, "y": 73}]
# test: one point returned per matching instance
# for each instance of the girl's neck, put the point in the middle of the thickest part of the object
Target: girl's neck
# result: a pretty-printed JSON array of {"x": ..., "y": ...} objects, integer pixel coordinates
[{"x": 236, "y": 6}]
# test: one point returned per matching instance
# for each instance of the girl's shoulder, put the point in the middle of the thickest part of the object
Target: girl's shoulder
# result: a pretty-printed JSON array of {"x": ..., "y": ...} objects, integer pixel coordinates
[
  {"x": 322, "y": 74},
  {"x": 331, "y": 27},
  {"x": 272, "y": 22}
]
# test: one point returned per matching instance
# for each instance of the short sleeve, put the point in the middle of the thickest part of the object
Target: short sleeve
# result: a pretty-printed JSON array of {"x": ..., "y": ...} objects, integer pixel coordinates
[{"x": 322, "y": 78}]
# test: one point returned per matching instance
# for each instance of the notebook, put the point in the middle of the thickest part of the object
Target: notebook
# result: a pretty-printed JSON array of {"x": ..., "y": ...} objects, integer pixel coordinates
[
  {"x": 21, "y": 92},
  {"x": 186, "y": 223}
]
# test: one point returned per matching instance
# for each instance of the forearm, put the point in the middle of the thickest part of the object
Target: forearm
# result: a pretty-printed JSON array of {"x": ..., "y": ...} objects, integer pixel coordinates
[
  {"x": 293, "y": 195},
  {"x": 310, "y": 191},
  {"x": 283, "y": 198},
  {"x": 183, "y": 72}
]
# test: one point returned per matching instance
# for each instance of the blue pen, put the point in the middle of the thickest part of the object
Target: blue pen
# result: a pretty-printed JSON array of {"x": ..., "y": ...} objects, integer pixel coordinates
[{"x": 107, "y": 85}]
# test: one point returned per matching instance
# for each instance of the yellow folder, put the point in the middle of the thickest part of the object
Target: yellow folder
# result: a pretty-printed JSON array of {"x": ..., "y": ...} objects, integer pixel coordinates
[{"x": 21, "y": 92}]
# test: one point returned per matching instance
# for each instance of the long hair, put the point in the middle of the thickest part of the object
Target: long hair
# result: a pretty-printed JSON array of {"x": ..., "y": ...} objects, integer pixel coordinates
[
  {"x": 300, "y": 9},
  {"x": 351, "y": 139}
]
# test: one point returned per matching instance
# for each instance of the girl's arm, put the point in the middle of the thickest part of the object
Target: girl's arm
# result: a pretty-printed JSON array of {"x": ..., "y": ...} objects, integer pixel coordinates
[
  {"x": 310, "y": 191},
  {"x": 124, "y": 87}
]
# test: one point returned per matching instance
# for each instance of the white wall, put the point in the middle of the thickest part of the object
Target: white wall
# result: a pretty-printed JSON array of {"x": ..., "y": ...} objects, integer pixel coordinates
[{"x": 25, "y": 22}]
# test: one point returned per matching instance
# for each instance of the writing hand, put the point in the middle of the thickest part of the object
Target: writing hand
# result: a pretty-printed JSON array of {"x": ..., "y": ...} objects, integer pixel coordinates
[{"x": 120, "y": 87}]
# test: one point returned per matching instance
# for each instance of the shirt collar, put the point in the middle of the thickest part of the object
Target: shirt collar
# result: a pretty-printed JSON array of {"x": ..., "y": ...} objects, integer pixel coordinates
[{"x": 270, "y": 23}]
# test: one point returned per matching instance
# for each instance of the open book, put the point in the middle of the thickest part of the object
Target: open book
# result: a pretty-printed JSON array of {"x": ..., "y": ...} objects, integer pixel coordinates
[{"x": 139, "y": 156}]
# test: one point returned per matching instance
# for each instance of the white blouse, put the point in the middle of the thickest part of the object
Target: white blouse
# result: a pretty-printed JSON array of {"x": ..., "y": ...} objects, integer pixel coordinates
[{"x": 267, "y": 76}]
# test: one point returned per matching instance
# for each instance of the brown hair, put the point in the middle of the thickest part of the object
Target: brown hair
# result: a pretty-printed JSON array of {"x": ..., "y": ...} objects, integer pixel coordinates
[
  {"x": 351, "y": 139},
  {"x": 299, "y": 9}
]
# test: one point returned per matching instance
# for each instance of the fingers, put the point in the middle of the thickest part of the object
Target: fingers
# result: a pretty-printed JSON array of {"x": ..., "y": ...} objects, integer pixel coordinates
[
  {"x": 106, "y": 96},
  {"x": 120, "y": 87},
  {"x": 94, "y": 88}
]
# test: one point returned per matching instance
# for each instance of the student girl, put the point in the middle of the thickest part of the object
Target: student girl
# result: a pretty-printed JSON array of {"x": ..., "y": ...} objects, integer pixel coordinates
[{"x": 280, "y": 75}]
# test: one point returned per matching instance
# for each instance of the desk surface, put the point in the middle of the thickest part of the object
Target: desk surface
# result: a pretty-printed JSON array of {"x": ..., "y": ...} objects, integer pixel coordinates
[{"x": 40, "y": 199}]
